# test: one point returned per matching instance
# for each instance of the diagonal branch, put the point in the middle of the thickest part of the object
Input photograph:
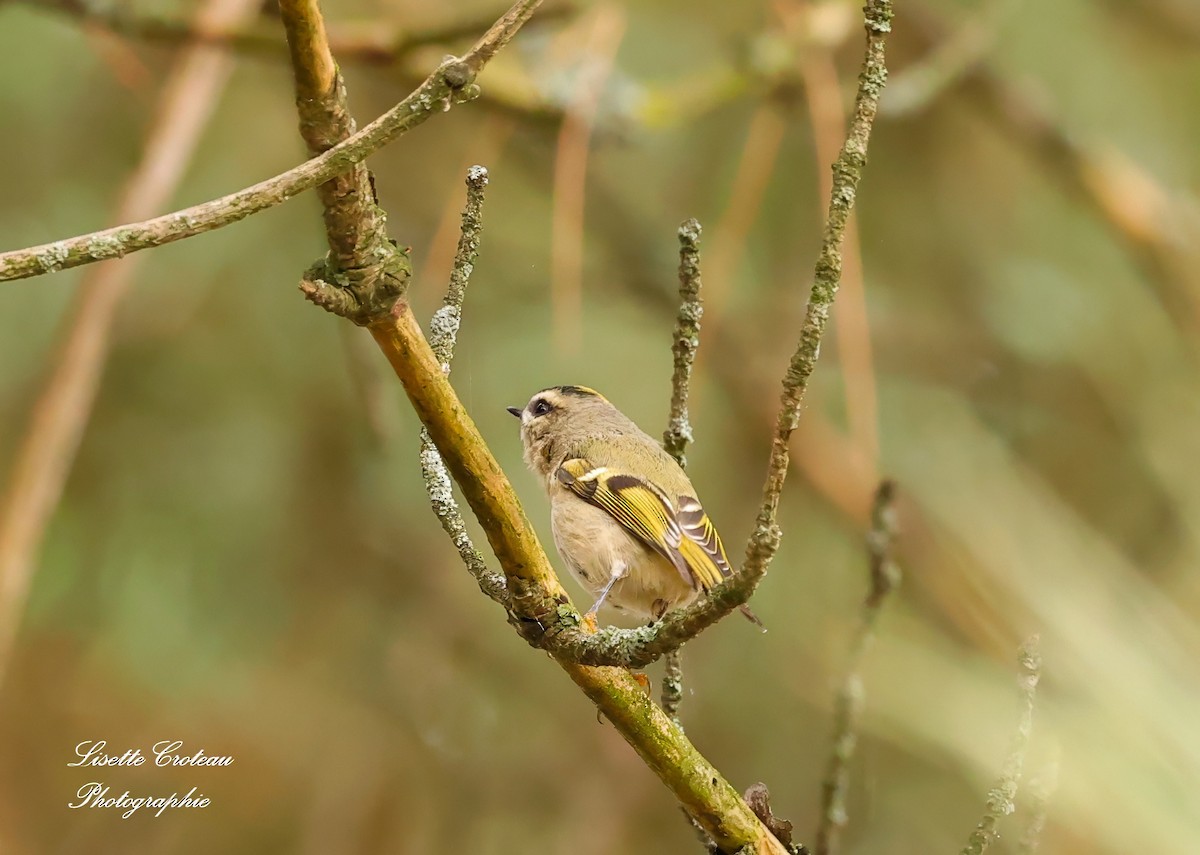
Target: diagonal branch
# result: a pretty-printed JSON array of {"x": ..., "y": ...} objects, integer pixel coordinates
[
  {"x": 452, "y": 82},
  {"x": 638, "y": 647}
]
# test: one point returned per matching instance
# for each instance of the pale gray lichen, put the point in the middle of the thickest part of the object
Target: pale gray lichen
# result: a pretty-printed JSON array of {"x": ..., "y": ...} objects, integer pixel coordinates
[
  {"x": 103, "y": 246},
  {"x": 53, "y": 257},
  {"x": 443, "y": 333}
]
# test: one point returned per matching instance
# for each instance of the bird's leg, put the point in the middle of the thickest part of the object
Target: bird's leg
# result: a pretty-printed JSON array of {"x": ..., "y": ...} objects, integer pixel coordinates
[{"x": 618, "y": 572}]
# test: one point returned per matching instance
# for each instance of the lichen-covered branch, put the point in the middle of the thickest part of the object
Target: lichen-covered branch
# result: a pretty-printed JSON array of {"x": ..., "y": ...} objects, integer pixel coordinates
[
  {"x": 443, "y": 334},
  {"x": 639, "y": 647},
  {"x": 672, "y": 686},
  {"x": 684, "y": 345},
  {"x": 1001, "y": 799},
  {"x": 450, "y": 83},
  {"x": 885, "y": 576},
  {"x": 686, "y": 341}
]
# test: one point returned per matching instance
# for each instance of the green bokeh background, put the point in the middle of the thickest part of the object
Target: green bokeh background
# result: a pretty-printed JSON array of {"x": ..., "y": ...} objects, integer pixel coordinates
[{"x": 242, "y": 561}]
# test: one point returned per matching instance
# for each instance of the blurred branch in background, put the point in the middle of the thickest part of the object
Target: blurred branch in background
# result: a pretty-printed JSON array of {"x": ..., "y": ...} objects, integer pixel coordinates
[
  {"x": 1178, "y": 20},
  {"x": 594, "y": 51},
  {"x": 1160, "y": 233},
  {"x": 61, "y": 413},
  {"x": 1001, "y": 800},
  {"x": 885, "y": 577},
  {"x": 955, "y": 54},
  {"x": 374, "y": 42}
]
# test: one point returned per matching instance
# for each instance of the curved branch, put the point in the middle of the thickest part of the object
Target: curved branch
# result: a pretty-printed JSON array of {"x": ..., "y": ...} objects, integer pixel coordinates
[
  {"x": 637, "y": 648},
  {"x": 452, "y": 82}
]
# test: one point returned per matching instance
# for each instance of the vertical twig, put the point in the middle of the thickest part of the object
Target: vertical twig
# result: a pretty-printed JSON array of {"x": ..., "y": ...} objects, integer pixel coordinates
[
  {"x": 1001, "y": 799},
  {"x": 885, "y": 576},
  {"x": 62, "y": 411},
  {"x": 685, "y": 343},
  {"x": 443, "y": 335},
  {"x": 672, "y": 685}
]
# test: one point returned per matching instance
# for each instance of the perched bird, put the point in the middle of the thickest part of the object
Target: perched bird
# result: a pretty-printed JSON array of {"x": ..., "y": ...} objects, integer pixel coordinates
[{"x": 625, "y": 517}]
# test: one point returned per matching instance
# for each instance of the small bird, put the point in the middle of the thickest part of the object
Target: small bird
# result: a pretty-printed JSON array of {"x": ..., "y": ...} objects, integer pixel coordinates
[{"x": 625, "y": 517}]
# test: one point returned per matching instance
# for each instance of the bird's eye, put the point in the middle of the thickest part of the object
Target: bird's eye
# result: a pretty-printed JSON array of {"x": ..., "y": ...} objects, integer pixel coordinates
[{"x": 541, "y": 407}]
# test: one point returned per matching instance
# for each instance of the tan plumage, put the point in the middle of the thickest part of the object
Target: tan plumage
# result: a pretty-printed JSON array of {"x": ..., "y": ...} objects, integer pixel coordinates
[{"x": 625, "y": 516}]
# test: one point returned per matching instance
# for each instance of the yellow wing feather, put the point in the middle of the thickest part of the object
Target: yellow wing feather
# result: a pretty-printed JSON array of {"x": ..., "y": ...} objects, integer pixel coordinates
[{"x": 684, "y": 535}]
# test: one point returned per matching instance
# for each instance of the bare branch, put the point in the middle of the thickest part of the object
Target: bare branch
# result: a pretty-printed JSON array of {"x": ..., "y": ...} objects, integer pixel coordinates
[
  {"x": 685, "y": 344},
  {"x": 1001, "y": 800},
  {"x": 686, "y": 341},
  {"x": 638, "y": 647},
  {"x": 64, "y": 407},
  {"x": 885, "y": 576},
  {"x": 452, "y": 82},
  {"x": 443, "y": 334}
]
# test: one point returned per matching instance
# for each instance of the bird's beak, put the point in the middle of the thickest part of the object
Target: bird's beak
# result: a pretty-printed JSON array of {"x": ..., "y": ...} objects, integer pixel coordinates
[{"x": 516, "y": 411}]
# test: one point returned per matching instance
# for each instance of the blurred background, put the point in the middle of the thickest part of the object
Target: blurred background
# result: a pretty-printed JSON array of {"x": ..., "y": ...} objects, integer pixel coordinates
[{"x": 243, "y": 557}]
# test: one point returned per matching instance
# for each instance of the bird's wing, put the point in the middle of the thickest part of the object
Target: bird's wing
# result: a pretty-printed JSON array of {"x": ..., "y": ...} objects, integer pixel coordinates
[{"x": 685, "y": 536}]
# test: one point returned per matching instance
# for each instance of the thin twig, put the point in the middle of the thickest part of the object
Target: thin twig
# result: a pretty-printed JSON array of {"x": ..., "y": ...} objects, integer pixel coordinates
[
  {"x": 450, "y": 83},
  {"x": 1001, "y": 799},
  {"x": 443, "y": 334},
  {"x": 638, "y": 647},
  {"x": 685, "y": 344},
  {"x": 61, "y": 413},
  {"x": 678, "y": 434},
  {"x": 885, "y": 577},
  {"x": 672, "y": 686},
  {"x": 823, "y": 95},
  {"x": 686, "y": 341}
]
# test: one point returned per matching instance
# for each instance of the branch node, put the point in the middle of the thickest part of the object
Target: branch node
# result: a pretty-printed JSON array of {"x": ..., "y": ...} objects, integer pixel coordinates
[{"x": 362, "y": 295}]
